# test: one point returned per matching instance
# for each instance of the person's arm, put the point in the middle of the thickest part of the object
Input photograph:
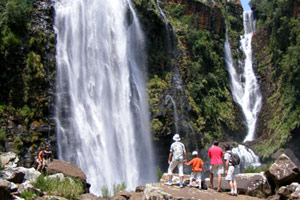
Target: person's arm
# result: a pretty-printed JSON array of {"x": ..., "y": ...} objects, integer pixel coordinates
[
  {"x": 185, "y": 157},
  {"x": 202, "y": 166},
  {"x": 170, "y": 156},
  {"x": 226, "y": 166},
  {"x": 209, "y": 154}
]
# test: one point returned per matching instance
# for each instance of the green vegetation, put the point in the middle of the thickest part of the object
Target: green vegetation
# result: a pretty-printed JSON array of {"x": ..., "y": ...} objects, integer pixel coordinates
[
  {"x": 201, "y": 64},
  {"x": 116, "y": 188},
  {"x": 26, "y": 70},
  {"x": 68, "y": 187},
  {"x": 159, "y": 174},
  {"x": 29, "y": 195},
  {"x": 282, "y": 50}
]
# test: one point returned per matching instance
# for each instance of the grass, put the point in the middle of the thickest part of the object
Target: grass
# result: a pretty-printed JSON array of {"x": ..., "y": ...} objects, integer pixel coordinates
[
  {"x": 116, "y": 188},
  {"x": 68, "y": 187}
]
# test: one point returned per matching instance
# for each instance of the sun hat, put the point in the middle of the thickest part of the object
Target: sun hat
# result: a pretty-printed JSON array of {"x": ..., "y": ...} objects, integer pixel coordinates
[
  {"x": 195, "y": 153},
  {"x": 176, "y": 137}
]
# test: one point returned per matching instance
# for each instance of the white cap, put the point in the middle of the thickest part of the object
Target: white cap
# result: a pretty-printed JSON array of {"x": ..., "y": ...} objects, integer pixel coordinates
[
  {"x": 176, "y": 137},
  {"x": 195, "y": 153}
]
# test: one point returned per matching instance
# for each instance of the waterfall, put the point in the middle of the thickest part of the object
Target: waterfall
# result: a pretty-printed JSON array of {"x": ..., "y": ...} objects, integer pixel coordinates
[
  {"x": 101, "y": 106},
  {"x": 247, "y": 156},
  {"x": 244, "y": 87},
  {"x": 168, "y": 97}
]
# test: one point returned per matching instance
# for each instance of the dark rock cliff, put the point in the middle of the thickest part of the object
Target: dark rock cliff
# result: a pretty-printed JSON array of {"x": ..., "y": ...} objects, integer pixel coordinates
[{"x": 27, "y": 81}]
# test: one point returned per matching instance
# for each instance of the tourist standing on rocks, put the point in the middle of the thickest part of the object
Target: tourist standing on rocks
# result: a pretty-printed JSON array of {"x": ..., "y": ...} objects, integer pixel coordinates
[
  {"x": 197, "y": 169},
  {"x": 178, "y": 155},
  {"x": 216, "y": 164},
  {"x": 44, "y": 158},
  {"x": 230, "y": 171}
]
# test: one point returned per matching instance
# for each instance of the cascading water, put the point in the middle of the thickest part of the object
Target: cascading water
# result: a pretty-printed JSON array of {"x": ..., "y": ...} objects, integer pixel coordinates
[
  {"x": 244, "y": 87},
  {"x": 247, "y": 156},
  {"x": 101, "y": 106},
  {"x": 168, "y": 97}
]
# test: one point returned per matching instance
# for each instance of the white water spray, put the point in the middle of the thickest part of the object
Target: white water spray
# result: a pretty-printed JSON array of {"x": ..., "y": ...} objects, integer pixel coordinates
[
  {"x": 244, "y": 87},
  {"x": 247, "y": 156},
  {"x": 101, "y": 106}
]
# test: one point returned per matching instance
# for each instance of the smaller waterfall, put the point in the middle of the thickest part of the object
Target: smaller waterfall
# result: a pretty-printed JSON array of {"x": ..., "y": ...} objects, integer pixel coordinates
[
  {"x": 247, "y": 156},
  {"x": 244, "y": 87},
  {"x": 168, "y": 97}
]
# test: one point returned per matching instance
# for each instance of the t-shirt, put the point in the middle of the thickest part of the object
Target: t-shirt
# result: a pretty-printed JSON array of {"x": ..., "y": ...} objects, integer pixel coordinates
[
  {"x": 227, "y": 156},
  {"x": 177, "y": 148},
  {"x": 215, "y": 153},
  {"x": 197, "y": 164}
]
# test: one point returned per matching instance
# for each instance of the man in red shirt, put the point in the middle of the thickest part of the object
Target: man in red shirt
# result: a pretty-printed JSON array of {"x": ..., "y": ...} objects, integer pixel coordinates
[{"x": 216, "y": 164}]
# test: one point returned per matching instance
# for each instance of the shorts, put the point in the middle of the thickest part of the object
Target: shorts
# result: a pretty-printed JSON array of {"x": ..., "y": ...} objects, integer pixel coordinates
[
  {"x": 196, "y": 176},
  {"x": 231, "y": 172},
  {"x": 172, "y": 166},
  {"x": 218, "y": 168}
]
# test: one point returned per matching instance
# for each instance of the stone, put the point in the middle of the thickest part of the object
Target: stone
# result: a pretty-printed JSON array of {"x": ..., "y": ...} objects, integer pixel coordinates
[
  {"x": 68, "y": 169},
  {"x": 31, "y": 174},
  {"x": 89, "y": 196},
  {"x": 4, "y": 189},
  {"x": 140, "y": 188},
  {"x": 286, "y": 192},
  {"x": 59, "y": 176},
  {"x": 160, "y": 191},
  {"x": 9, "y": 160},
  {"x": 283, "y": 172}
]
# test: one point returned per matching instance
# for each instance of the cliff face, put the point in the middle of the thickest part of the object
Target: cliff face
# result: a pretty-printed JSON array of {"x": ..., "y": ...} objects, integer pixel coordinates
[
  {"x": 27, "y": 77},
  {"x": 188, "y": 83},
  {"x": 276, "y": 49}
]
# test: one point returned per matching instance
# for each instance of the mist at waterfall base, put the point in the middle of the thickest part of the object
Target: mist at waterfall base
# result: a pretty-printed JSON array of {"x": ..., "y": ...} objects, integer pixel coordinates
[
  {"x": 244, "y": 87},
  {"x": 101, "y": 106}
]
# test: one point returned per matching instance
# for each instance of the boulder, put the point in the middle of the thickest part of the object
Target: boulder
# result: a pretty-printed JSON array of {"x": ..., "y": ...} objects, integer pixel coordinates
[
  {"x": 68, "y": 169},
  {"x": 289, "y": 192},
  {"x": 252, "y": 184},
  {"x": 4, "y": 189},
  {"x": 13, "y": 175},
  {"x": 9, "y": 160},
  {"x": 89, "y": 196},
  {"x": 140, "y": 188},
  {"x": 161, "y": 191},
  {"x": 31, "y": 174},
  {"x": 283, "y": 172}
]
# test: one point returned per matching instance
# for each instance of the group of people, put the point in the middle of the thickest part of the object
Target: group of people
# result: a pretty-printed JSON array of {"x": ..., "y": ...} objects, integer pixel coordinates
[{"x": 178, "y": 157}]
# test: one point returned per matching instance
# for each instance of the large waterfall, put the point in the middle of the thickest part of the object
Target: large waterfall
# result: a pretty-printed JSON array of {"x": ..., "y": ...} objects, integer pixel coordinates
[
  {"x": 244, "y": 86},
  {"x": 101, "y": 109}
]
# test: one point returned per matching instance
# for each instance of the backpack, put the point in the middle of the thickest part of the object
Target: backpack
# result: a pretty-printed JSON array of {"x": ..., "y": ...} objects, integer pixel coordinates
[{"x": 235, "y": 159}]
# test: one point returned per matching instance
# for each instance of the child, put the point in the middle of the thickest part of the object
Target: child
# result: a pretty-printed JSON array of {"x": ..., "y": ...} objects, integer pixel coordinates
[{"x": 197, "y": 169}]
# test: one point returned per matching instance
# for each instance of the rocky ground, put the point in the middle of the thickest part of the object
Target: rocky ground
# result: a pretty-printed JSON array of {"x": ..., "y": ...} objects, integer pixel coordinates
[{"x": 279, "y": 182}]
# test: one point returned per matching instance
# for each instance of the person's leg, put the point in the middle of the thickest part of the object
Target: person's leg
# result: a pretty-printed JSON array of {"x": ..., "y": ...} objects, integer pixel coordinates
[
  {"x": 219, "y": 182},
  {"x": 191, "y": 179},
  {"x": 39, "y": 165},
  {"x": 234, "y": 186},
  {"x": 220, "y": 172},
  {"x": 170, "y": 171},
  {"x": 198, "y": 178},
  {"x": 211, "y": 176},
  {"x": 211, "y": 179},
  {"x": 181, "y": 175}
]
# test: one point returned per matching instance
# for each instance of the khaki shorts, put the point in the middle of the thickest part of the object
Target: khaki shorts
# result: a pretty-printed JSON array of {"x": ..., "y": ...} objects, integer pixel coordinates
[
  {"x": 196, "y": 176},
  {"x": 231, "y": 172},
  {"x": 172, "y": 166},
  {"x": 217, "y": 169}
]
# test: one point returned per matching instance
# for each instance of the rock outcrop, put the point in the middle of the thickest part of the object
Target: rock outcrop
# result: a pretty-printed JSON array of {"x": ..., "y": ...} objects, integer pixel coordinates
[
  {"x": 283, "y": 172},
  {"x": 14, "y": 179}
]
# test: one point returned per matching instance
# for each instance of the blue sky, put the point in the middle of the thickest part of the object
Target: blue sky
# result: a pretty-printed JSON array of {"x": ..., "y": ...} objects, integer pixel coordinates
[{"x": 245, "y": 4}]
